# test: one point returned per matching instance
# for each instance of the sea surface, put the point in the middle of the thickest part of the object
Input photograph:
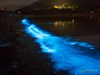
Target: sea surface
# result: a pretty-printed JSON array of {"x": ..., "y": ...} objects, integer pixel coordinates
[{"x": 21, "y": 55}]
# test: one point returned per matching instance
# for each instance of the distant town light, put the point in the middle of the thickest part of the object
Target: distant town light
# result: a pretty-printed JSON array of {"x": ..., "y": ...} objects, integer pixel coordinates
[
  {"x": 56, "y": 6},
  {"x": 91, "y": 12},
  {"x": 63, "y": 6},
  {"x": 19, "y": 12},
  {"x": 99, "y": 9}
]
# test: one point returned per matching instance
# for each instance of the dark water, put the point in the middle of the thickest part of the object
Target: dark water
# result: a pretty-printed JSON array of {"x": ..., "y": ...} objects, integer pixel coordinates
[
  {"x": 20, "y": 55},
  {"x": 70, "y": 26}
]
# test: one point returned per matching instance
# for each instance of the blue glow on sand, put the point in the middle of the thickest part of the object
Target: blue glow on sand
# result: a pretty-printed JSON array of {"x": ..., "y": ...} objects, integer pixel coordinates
[{"x": 67, "y": 54}]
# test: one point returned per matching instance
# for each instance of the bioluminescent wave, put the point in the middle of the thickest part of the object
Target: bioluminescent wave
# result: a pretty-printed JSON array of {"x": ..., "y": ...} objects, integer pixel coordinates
[{"x": 67, "y": 54}]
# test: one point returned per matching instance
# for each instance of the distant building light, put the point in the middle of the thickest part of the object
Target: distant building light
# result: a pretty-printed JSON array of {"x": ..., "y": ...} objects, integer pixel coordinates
[
  {"x": 99, "y": 9},
  {"x": 19, "y": 12},
  {"x": 63, "y": 6},
  {"x": 91, "y": 12},
  {"x": 56, "y": 6}
]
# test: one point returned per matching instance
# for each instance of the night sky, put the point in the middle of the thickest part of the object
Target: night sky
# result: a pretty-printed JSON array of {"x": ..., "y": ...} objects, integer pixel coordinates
[{"x": 16, "y": 2}]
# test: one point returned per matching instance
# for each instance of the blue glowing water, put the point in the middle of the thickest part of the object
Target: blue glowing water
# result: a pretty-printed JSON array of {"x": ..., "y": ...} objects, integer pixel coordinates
[{"x": 67, "y": 54}]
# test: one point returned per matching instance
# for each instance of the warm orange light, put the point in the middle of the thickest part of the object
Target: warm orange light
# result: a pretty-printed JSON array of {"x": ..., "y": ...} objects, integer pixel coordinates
[
  {"x": 56, "y": 23},
  {"x": 56, "y": 6}
]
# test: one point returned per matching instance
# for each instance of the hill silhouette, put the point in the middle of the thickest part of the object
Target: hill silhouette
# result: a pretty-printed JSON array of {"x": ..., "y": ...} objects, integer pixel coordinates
[{"x": 45, "y": 6}]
